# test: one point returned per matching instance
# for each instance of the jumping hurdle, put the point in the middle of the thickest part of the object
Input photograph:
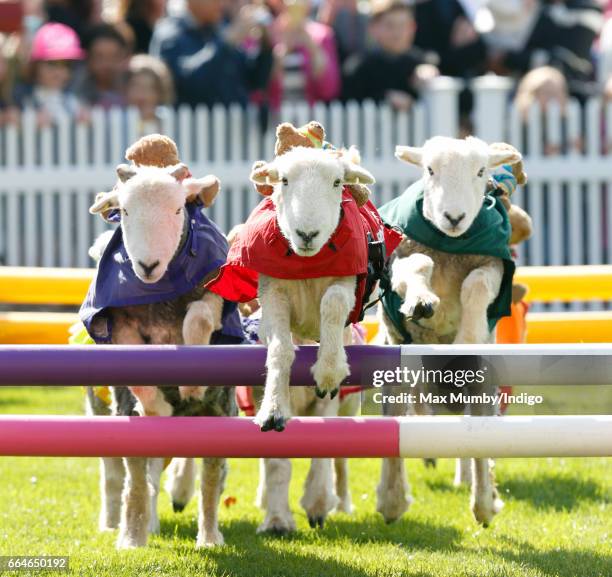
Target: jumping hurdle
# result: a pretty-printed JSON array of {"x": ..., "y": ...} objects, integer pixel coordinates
[
  {"x": 304, "y": 437},
  {"x": 573, "y": 436},
  {"x": 169, "y": 365},
  {"x": 41, "y": 286},
  {"x": 68, "y": 286}
]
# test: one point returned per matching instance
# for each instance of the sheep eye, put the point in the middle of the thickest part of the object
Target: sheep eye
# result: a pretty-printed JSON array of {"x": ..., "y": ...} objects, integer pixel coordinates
[
  {"x": 124, "y": 211},
  {"x": 430, "y": 170},
  {"x": 285, "y": 182},
  {"x": 481, "y": 172},
  {"x": 337, "y": 183}
]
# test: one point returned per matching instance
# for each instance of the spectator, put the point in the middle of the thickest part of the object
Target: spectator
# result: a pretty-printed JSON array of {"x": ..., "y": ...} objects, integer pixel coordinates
[
  {"x": 101, "y": 83},
  {"x": 9, "y": 49},
  {"x": 394, "y": 68},
  {"x": 55, "y": 49},
  {"x": 149, "y": 86},
  {"x": 78, "y": 14},
  {"x": 208, "y": 68},
  {"x": 142, "y": 15},
  {"x": 307, "y": 61},
  {"x": 542, "y": 87},
  {"x": 350, "y": 26},
  {"x": 444, "y": 27},
  {"x": 604, "y": 47},
  {"x": 562, "y": 36}
]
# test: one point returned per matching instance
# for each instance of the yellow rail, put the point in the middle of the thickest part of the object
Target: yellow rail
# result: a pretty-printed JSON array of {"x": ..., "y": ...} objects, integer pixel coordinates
[
  {"x": 22, "y": 285},
  {"x": 58, "y": 286},
  {"x": 25, "y": 328},
  {"x": 567, "y": 283},
  {"x": 36, "y": 286},
  {"x": 41, "y": 328},
  {"x": 542, "y": 328}
]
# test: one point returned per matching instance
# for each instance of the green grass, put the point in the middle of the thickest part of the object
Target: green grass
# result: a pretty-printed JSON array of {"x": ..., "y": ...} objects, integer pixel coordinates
[{"x": 557, "y": 521}]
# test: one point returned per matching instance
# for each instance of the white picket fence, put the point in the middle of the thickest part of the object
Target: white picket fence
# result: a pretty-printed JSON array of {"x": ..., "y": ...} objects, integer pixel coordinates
[{"x": 49, "y": 176}]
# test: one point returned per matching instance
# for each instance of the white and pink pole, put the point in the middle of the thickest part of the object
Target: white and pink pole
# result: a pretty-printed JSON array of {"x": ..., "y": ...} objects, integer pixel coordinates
[{"x": 542, "y": 436}]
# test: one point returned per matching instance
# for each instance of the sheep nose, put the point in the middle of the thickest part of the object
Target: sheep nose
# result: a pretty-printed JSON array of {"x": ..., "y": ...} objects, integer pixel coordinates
[
  {"x": 148, "y": 268},
  {"x": 454, "y": 220},
  {"x": 307, "y": 236}
]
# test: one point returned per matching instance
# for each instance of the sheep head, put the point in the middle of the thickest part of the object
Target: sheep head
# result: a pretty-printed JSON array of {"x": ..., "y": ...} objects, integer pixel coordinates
[
  {"x": 307, "y": 194},
  {"x": 152, "y": 204},
  {"x": 455, "y": 173}
]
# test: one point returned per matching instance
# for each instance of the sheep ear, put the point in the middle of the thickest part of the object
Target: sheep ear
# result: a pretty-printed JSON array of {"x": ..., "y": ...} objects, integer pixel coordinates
[
  {"x": 354, "y": 174},
  {"x": 264, "y": 173},
  {"x": 104, "y": 202},
  {"x": 206, "y": 189},
  {"x": 180, "y": 172},
  {"x": 499, "y": 156},
  {"x": 409, "y": 154},
  {"x": 125, "y": 172}
]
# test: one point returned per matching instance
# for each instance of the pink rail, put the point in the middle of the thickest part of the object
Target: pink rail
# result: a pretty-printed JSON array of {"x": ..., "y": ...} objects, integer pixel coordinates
[{"x": 55, "y": 436}]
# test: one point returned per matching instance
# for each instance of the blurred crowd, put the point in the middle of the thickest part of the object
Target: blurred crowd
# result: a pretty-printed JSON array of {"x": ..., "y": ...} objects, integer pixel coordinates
[{"x": 71, "y": 55}]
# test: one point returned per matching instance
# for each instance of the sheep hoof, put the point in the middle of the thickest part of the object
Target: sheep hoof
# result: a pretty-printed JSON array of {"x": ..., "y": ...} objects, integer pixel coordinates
[
  {"x": 315, "y": 522},
  {"x": 422, "y": 311},
  {"x": 272, "y": 422},
  {"x": 178, "y": 507},
  {"x": 321, "y": 393},
  {"x": 277, "y": 525},
  {"x": 430, "y": 463},
  {"x": 332, "y": 394}
]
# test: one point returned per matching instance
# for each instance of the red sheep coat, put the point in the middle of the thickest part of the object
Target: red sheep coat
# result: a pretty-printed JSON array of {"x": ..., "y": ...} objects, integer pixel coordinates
[{"x": 261, "y": 248}]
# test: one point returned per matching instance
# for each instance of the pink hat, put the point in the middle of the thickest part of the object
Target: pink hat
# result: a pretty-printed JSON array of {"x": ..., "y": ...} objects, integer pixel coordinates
[{"x": 55, "y": 41}]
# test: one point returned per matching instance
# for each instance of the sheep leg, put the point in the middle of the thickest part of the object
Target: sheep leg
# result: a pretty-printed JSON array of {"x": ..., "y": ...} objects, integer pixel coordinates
[
  {"x": 275, "y": 407},
  {"x": 214, "y": 471},
  {"x": 151, "y": 401},
  {"x": 349, "y": 407},
  {"x": 485, "y": 501},
  {"x": 341, "y": 484},
  {"x": 411, "y": 280},
  {"x": 463, "y": 472},
  {"x": 136, "y": 510},
  {"x": 180, "y": 484},
  {"x": 201, "y": 320},
  {"x": 332, "y": 367},
  {"x": 261, "y": 498},
  {"x": 155, "y": 470},
  {"x": 319, "y": 497},
  {"x": 478, "y": 291},
  {"x": 393, "y": 491},
  {"x": 112, "y": 475},
  {"x": 279, "y": 519}
]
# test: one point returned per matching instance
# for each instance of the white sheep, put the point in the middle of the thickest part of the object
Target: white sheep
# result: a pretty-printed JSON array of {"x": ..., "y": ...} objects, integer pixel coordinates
[
  {"x": 307, "y": 197},
  {"x": 321, "y": 493},
  {"x": 445, "y": 297},
  {"x": 162, "y": 229}
]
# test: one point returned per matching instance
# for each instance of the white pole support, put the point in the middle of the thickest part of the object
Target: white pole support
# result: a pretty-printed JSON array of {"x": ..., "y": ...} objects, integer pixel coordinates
[
  {"x": 491, "y": 107},
  {"x": 442, "y": 99}
]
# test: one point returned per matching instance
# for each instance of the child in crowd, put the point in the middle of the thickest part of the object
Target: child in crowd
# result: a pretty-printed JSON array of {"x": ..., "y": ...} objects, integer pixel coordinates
[
  {"x": 101, "y": 83},
  {"x": 55, "y": 50},
  {"x": 394, "y": 69},
  {"x": 306, "y": 57},
  {"x": 149, "y": 86},
  {"x": 543, "y": 87},
  {"x": 8, "y": 49}
]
